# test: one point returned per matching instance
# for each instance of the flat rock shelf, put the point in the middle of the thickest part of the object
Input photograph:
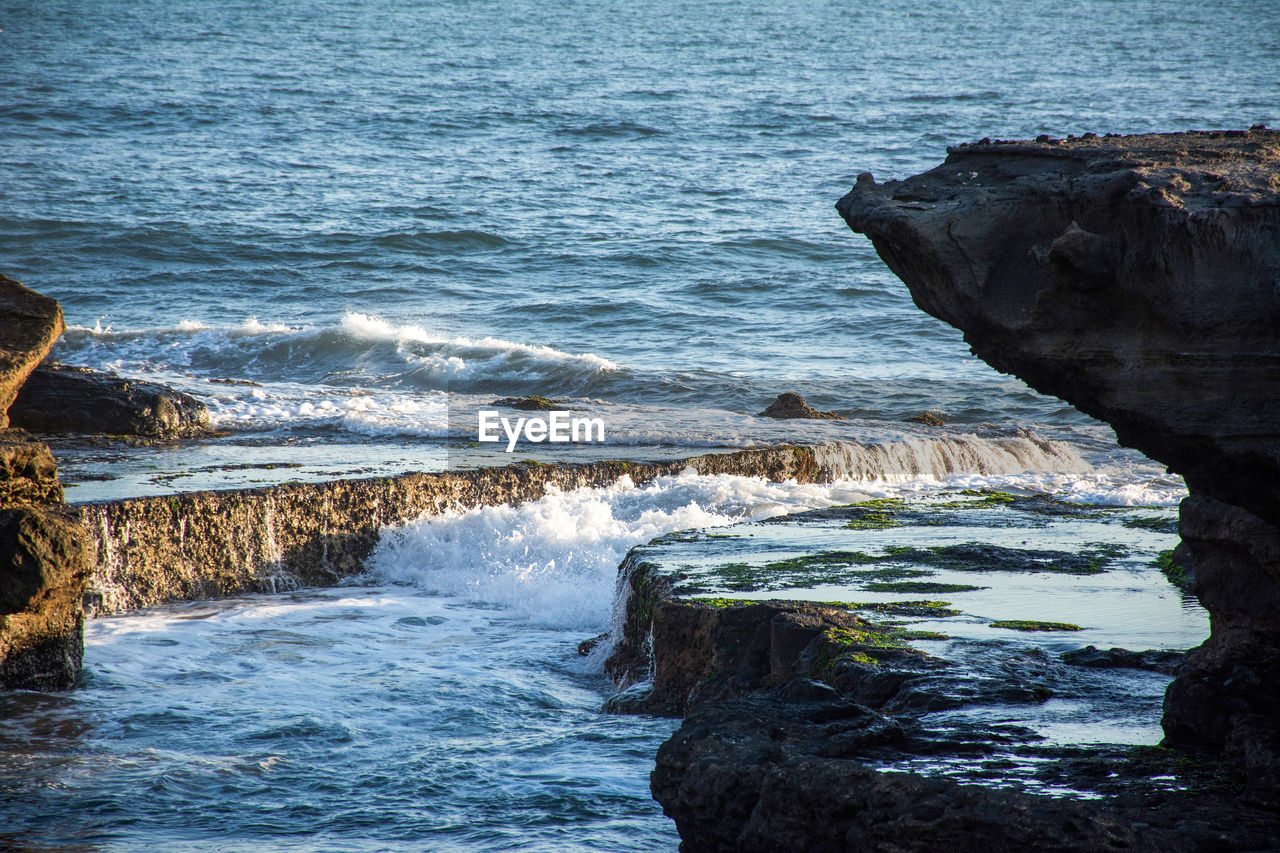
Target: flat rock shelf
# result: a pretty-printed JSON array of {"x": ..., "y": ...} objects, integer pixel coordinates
[{"x": 912, "y": 651}]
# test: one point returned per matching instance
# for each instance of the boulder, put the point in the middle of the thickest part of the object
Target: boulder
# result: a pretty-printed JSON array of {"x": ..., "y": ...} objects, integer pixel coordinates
[
  {"x": 44, "y": 570},
  {"x": 792, "y": 405},
  {"x": 29, "y": 326},
  {"x": 1137, "y": 278},
  {"x": 61, "y": 399}
]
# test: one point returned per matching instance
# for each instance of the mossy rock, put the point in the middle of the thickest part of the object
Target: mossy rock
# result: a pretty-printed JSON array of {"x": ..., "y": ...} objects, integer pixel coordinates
[
  {"x": 920, "y": 587},
  {"x": 1033, "y": 625}
]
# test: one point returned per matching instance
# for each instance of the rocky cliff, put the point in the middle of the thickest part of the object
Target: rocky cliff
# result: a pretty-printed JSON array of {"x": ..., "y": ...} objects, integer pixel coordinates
[
  {"x": 43, "y": 567},
  {"x": 1138, "y": 278}
]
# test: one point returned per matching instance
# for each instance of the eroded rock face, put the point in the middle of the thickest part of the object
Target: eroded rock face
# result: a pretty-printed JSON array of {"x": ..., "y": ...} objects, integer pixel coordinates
[
  {"x": 1138, "y": 278},
  {"x": 61, "y": 399},
  {"x": 42, "y": 551},
  {"x": 29, "y": 326},
  {"x": 43, "y": 571}
]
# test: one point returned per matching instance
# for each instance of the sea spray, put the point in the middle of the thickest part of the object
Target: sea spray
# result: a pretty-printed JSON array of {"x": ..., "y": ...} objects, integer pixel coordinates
[{"x": 554, "y": 561}]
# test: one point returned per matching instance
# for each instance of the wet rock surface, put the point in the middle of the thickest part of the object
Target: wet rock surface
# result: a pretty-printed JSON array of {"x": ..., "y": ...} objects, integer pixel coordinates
[
  {"x": 792, "y": 405},
  {"x": 886, "y": 722},
  {"x": 30, "y": 324},
  {"x": 1158, "y": 660},
  {"x": 63, "y": 399},
  {"x": 1135, "y": 278},
  {"x": 771, "y": 772},
  {"x": 43, "y": 571},
  {"x": 199, "y": 545},
  {"x": 43, "y": 565}
]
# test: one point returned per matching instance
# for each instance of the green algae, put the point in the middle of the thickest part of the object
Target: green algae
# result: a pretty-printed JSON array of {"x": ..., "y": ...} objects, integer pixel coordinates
[
  {"x": 921, "y": 609},
  {"x": 1178, "y": 574},
  {"x": 983, "y": 499},
  {"x": 1155, "y": 524},
  {"x": 721, "y": 603},
  {"x": 1093, "y": 559},
  {"x": 920, "y": 587},
  {"x": 897, "y": 563},
  {"x": 1034, "y": 625},
  {"x": 878, "y": 514}
]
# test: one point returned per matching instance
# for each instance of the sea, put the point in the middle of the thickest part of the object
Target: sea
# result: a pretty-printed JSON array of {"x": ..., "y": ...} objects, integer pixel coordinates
[{"x": 349, "y": 226}]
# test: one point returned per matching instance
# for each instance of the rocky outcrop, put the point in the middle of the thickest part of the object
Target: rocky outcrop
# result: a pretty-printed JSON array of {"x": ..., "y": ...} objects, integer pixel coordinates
[
  {"x": 29, "y": 326},
  {"x": 687, "y": 652},
  {"x": 775, "y": 772},
  {"x": 811, "y": 727},
  {"x": 1138, "y": 278},
  {"x": 198, "y": 545},
  {"x": 792, "y": 405},
  {"x": 43, "y": 571},
  {"x": 62, "y": 399}
]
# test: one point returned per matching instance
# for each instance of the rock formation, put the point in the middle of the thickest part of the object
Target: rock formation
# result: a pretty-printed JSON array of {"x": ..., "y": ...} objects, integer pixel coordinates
[
  {"x": 61, "y": 399},
  {"x": 43, "y": 569},
  {"x": 1138, "y": 278},
  {"x": 29, "y": 326},
  {"x": 791, "y": 405}
]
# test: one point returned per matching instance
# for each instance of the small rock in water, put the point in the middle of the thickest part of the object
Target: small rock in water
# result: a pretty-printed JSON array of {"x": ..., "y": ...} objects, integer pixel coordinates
[
  {"x": 792, "y": 405},
  {"x": 530, "y": 402},
  {"x": 926, "y": 418},
  {"x": 1155, "y": 661}
]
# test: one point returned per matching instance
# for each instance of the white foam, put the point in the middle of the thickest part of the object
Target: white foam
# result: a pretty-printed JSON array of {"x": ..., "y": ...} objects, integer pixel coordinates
[
  {"x": 282, "y": 406},
  {"x": 554, "y": 561},
  {"x": 358, "y": 344}
]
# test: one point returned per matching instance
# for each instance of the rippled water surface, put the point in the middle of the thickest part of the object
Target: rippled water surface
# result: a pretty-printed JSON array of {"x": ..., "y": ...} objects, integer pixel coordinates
[{"x": 385, "y": 213}]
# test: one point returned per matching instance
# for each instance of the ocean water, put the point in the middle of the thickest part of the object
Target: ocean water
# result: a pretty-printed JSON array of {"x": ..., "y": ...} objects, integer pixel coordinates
[{"x": 376, "y": 217}]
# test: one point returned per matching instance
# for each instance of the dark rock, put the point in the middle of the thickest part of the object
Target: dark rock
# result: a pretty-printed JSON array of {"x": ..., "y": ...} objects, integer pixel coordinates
[
  {"x": 29, "y": 326},
  {"x": 1154, "y": 661},
  {"x": 530, "y": 402},
  {"x": 764, "y": 773},
  {"x": 1090, "y": 268},
  {"x": 792, "y": 405},
  {"x": 586, "y": 647},
  {"x": 43, "y": 570},
  {"x": 63, "y": 399},
  {"x": 43, "y": 573},
  {"x": 1136, "y": 278}
]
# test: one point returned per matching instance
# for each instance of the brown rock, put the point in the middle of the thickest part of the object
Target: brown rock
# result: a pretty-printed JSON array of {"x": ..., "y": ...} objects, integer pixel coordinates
[
  {"x": 926, "y": 418},
  {"x": 28, "y": 474},
  {"x": 43, "y": 572},
  {"x": 792, "y": 405},
  {"x": 29, "y": 326}
]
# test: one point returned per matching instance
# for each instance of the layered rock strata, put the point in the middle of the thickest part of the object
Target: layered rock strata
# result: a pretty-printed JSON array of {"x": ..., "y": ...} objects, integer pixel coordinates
[{"x": 1138, "y": 278}]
